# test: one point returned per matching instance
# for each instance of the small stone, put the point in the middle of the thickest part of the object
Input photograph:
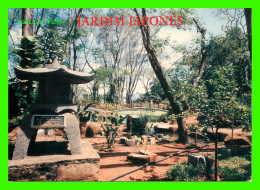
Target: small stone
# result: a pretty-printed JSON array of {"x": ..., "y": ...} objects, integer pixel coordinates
[
  {"x": 130, "y": 142},
  {"x": 41, "y": 133}
]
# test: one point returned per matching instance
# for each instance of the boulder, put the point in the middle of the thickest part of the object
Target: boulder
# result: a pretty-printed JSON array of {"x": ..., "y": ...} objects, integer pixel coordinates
[
  {"x": 237, "y": 140},
  {"x": 93, "y": 129}
]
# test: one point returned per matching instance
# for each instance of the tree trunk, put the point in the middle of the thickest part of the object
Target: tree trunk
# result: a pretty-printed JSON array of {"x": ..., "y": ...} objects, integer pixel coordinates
[
  {"x": 216, "y": 154},
  {"x": 27, "y": 29},
  {"x": 203, "y": 52},
  {"x": 162, "y": 79},
  {"x": 248, "y": 15}
]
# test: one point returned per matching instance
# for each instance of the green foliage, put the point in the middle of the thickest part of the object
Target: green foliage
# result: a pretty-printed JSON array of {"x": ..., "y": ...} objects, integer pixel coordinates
[
  {"x": 164, "y": 118},
  {"x": 112, "y": 128},
  {"x": 185, "y": 172},
  {"x": 110, "y": 133},
  {"x": 29, "y": 56},
  {"x": 222, "y": 108},
  {"x": 29, "y": 53},
  {"x": 192, "y": 128},
  {"x": 235, "y": 169},
  {"x": 139, "y": 126},
  {"x": 52, "y": 44},
  {"x": 85, "y": 115}
]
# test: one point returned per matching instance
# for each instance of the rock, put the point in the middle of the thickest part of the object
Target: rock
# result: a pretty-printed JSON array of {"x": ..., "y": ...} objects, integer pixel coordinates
[
  {"x": 162, "y": 127},
  {"x": 123, "y": 140},
  {"x": 195, "y": 159},
  {"x": 41, "y": 133},
  {"x": 92, "y": 129},
  {"x": 130, "y": 142},
  {"x": 77, "y": 172},
  {"x": 237, "y": 140},
  {"x": 141, "y": 158}
]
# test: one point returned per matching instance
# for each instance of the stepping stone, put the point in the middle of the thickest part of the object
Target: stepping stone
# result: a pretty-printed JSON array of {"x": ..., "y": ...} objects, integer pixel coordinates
[{"x": 141, "y": 158}]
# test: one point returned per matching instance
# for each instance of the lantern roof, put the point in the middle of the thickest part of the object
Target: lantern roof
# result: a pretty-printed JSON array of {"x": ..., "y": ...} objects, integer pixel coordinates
[{"x": 53, "y": 72}]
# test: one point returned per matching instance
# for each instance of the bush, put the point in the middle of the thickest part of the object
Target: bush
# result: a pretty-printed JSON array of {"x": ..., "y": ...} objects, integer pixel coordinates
[
  {"x": 186, "y": 172},
  {"x": 139, "y": 126}
]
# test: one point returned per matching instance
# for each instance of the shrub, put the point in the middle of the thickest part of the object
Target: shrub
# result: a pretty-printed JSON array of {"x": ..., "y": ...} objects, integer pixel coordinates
[
  {"x": 139, "y": 126},
  {"x": 186, "y": 172}
]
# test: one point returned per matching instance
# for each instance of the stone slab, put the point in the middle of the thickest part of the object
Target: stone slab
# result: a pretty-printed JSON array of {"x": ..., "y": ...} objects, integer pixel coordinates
[{"x": 141, "y": 158}]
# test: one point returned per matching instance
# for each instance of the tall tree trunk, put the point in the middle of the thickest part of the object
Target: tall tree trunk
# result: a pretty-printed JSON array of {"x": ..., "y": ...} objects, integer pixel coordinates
[
  {"x": 216, "y": 154},
  {"x": 162, "y": 79},
  {"x": 203, "y": 52},
  {"x": 27, "y": 30},
  {"x": 248, "y": 15}
]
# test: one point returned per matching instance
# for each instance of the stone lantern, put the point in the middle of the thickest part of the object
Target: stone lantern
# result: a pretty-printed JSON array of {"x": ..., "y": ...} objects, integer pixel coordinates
[{"x": 53, "y": 107}]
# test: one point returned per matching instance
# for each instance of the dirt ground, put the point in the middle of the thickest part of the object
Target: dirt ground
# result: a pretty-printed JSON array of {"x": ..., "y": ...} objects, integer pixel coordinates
[{"x": 114, "y": 163}]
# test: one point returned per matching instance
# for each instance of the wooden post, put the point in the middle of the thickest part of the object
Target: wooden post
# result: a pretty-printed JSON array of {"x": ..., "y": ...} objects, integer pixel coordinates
[{"x": 150, "y": 102}]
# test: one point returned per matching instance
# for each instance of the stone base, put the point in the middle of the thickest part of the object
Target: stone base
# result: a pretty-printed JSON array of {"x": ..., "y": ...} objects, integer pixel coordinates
[
  {"x": 26, "y": 135},
  {"x": 80, "y": 167}
]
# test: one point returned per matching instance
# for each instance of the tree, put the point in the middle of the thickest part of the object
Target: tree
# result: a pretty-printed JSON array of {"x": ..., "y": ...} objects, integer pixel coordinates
[{"x": 161, "y": 77}]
